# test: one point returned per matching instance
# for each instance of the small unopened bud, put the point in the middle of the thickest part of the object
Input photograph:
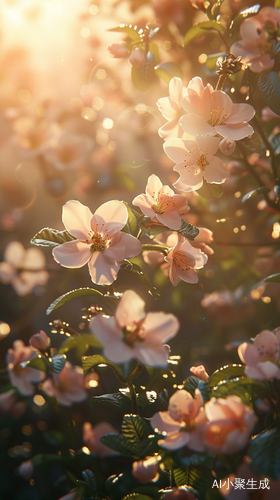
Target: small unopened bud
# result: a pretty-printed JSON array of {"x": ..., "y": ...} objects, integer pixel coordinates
[
  {"x": 26, "y": 469},
  {"x": 40, "y": 341},
  {"x": 137, "y": 58},
  {"x": 145, "y": 470},
  {"x": 118, "y": 50},
  {"x": 200, "y": 372},
  {"x": 227, "y": 146}
]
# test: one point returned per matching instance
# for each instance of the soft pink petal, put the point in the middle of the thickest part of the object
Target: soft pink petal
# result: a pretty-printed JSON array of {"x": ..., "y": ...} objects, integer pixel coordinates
[
  {"x": 175, "y": 441},
  {"x": 176, "y": 89},
  {"x": 196, "y": 125},
  {"x": 103, "y": 270},
  {"x": 105, "y": 329},
  {"x": 191, "y": 178},
  {"x": 163, "y": 422},
  {"x": 170, "y": 219},
  {"x": 248, "y": 354},
  {"x": 196, "y": 86},
  {"x": 269, "y": 369},
  {"x": 208, "y": 145},
  {"x": 197, "y": 105},
  {"x": 160, "y": 327},
  {"x": 255, "y": 373},
  {"x": 189, "y": 276},
  {"x": 235, "y": 131},
  {"x": 268, "y": 341},
  {"x": 151, "y": 356},
  {"x": 154, "y": 184},
  {"x": 217, "y": 410},
  {"x": 176, "y": 149},
  {"x": 173, "y": 272},
  {"x": 241, "y": 113},
  {"x": 112, "y": 215},
  {"x": 168, "y": 107},
  {"x": 220, "y": 100},
  {"x": 119, "y": 352},
  {"x": 144, "y": 203},
  {"x": 34, "y": 259},
  {"x": 76, "y": 218},
  {"x": 130, "y": 308},
  {"x": 72, "y": 254},
  {"x": 170, "y": 129},
  {"x": 7, "y": 272},
  {"x": 216, "y": 171},
  {"x": 123, "y": 246},
  {"x": 14, "y": 253}
]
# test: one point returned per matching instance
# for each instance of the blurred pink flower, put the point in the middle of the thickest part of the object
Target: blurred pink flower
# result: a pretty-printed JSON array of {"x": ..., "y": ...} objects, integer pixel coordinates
[
  {"x": 183, "y": 259},
  {"x": 68, "y": 150},
  {"x": 202, "y": 240},
  {"x": 227, "y": 146},
  {"x": 137, "y": 57},
  {"x": 171, "y": 109},
  {"x": 26, "y": 469},
  {"x": 132, "y": 334},
  {"x": 10, "y": 404},
  {"x": 257, "y": 35},
  {"x": 195, "y": 162},
  {"x": 67, "y": 386},
  {"x": 200, "y": 372},
  {"x": 183, "y": 423},
  {"x": 92, "y": 435},
  {"x": 160, "y": 203},
  {"x": 22, "y": 378},
  {"x": 118, "y": 50},
  {"x": 145, "y": 470},
  {"x": 100, "y": 242},
  {"x": 40, "y": 341},
  {"x": 230, "y": 424},
  {"x": 32, "y": 135},
  {"x": 262, "y": 356},
  {"x": 214, "y": 113},
  {"x": 23, "y": 269}
]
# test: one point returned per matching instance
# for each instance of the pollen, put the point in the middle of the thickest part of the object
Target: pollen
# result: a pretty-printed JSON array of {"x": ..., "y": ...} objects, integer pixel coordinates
[
  {"x": 163, "y": 203},
  {"x": 218, "y": 116},
  {"x": 202, "y": 162},
  {"x": 183, "y": 261},
  {"x": 98, "y": 242}
]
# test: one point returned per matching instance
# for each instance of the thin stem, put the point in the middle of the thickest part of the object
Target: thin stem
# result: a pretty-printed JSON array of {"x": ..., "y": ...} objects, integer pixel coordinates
[
  {"x": 155, "y": 248},
  {"x": 137, "y": 370},
  {"x": 221, "y": 82},
  {"x": 134, "y": 403},
  {"x": 225, "y": 42}
]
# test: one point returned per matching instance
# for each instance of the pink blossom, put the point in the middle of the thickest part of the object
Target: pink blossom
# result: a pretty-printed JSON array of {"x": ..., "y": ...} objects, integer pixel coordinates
[
  {"x": 118, "y": 50},
  {"x": 195, "y": 162},
  {"x": 92, "y": 435},
  {"x": 200, "y": 372},
  {"x": 227, "y": 146},
  {"x": 66, "y": 386},
  {"x": 100, "y": 242},
  {"x": 23, "y": 269},
  {"x": 202, "y": 240},
  {"x": 22, "y": 378},
  {"x": 214, "y": 113},
  {"x": 183, "y": 423},
  {"x": 160, "y": 203},
  {"x": 32, "y": 136},
  {"x": 134, "y": 334},
  {"x": 257, "y": 35},
  {"x": 170, "y": 108},
  {"x": 26, "y": 469},
  {"x": 10, "y": 404},
  {"x": 262, "y": 356},
  {"x": 145, "y": 470},
  {"x": 67, "y": 150},
  {"x": 40, "y": 341},
  {"x": 137, "y": 57},
  {"x": 183, "y": 259},
  {"x": 230, "y": 424}
]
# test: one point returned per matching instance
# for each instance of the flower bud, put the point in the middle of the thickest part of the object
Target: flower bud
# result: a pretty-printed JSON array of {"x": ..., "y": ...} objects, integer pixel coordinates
[
  {"x": 137, "y": 58},
  {"x": 40, "y": 341},
  {"x": 145, "y": 470},
  {"x": 227, "y": 146},
  {"x": 200, "y": 372},
  {"x": 118, "y": 50},
  {"x": 26, "y": 469}
]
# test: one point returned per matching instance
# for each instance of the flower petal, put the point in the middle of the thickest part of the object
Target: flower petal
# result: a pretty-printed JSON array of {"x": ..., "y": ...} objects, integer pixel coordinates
[
  {"x": 235, "y": 131},
  {"x": 72, "y": 254},
  {"x": 196, "y": 125},
  {"x": 160, "y": 327},
  {"x": 112, "y": 215},
  {"x": 130, "y": 309},
  {"x": 14, "y": 253},
  {"x": 103, "y": 270},
  {"x": 151, "y": 356},
  {"x": 215, "y": 172},
  {"x": 170, "y": 219},
  {"x": 76, "y": 218}
]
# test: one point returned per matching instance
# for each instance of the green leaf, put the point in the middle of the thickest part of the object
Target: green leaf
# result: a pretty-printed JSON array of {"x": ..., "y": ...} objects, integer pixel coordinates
[
  {"x": 117, "y": 399},
  {"x": 188, "y": 230},
  {"x": 253, "y": 144},
  {"x": 168, "y": 70},
  {"x": 131, "y": 226},
  {"x": 242, "y": 387},
  {"x": 180, "y": 476},
  {"x": 194, "y": 459},
  {"x": 210, "y": 191},
  {"x": 39, "y": 363},
  {"x": 193, "y": 383},
  {"x": 120, "y": 444},
  {"x": 255, "y": 192},
  {"x": 90, "y": 362},
  {"x": 74, "y": 294},
  {"x": 48, "y": 237},
  {"x": 135, "y": 428},
  {"x": 269, "y": 85},
  {"x": 130, "y": 267},
  {"x": 57, "y": 363},
  {"x": 251, "y": 11},
  {"x": 128, "y": 30},
  {"x": 54, "y": 438},
  {"x": 82, "y": 340},
  {"x": 198, "y": 478},
  {"x": 90, "y": 480},
  {"x": 264, "y": 454},
  {"x": 226, "y": 372},
  {"x": 274, "y": 278},
  {"x": 200, "y": 29},
  {"x": 45, "y": 458},
  {"x": 144, "y": 76}
]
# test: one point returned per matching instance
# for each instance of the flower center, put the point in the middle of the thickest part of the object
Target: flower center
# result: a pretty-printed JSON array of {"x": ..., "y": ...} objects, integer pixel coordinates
[
  {"x": 266, "y": 354},
  {"x": 162, "y": 203},
  {"x": 133, "y": 332},
  {"x": 218, "y": 116},
  {"x": 183, "y": 261},
  {"x": 202, "y": 162},
  {"x": 98, "y": 242}
]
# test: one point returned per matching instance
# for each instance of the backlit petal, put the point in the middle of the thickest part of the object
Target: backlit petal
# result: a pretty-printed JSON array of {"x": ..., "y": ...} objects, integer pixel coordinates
[
  {"x": 76, "y": 218},
  {"x": 72, "y": 254}
]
